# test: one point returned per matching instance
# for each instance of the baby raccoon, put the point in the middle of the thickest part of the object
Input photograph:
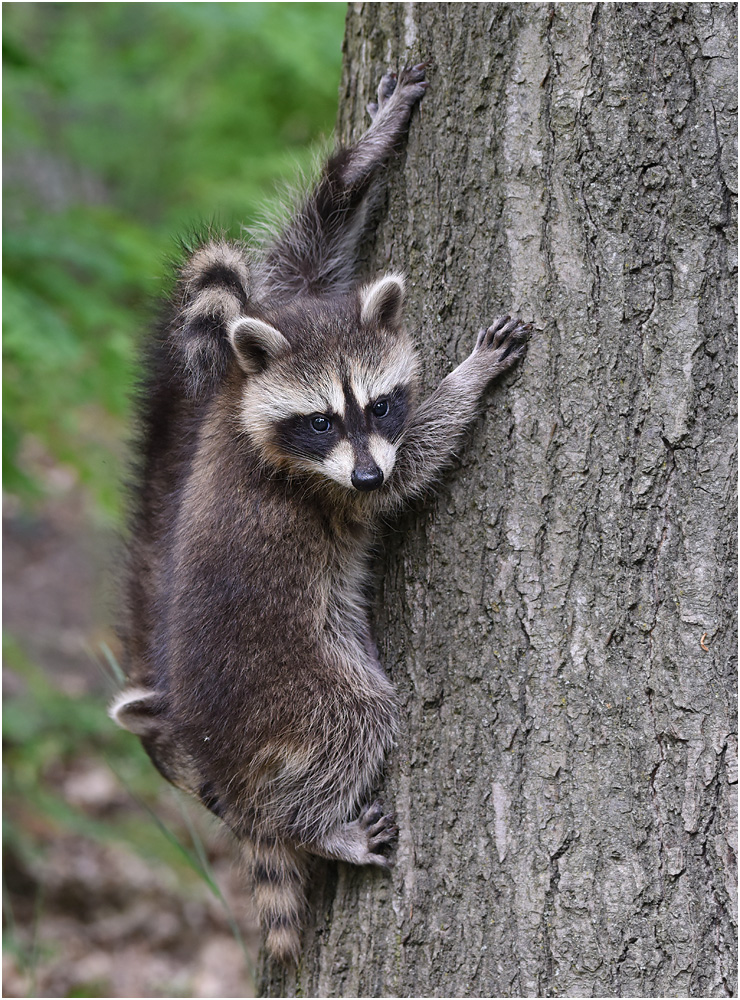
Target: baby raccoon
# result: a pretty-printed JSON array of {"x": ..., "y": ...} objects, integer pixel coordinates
[{"x": 280, "y": 420}]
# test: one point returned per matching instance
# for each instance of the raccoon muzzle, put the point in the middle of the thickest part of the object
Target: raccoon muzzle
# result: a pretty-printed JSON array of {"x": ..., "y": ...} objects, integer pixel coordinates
[{"x": 367, "y": 478}]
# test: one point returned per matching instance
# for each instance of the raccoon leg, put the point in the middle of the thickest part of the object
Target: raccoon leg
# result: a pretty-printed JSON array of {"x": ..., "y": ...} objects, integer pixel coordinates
[
  {"x": 359, "y": 842},
  {"x": 318, "y": 248},
  {"x": 397, "y": 95},
  {"x": 278, "y": 872},
  {"x": 436, "y": 428}
]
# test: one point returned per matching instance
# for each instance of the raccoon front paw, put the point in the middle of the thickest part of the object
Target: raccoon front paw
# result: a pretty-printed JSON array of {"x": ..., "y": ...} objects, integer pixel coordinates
[
  {"x": 408, "y": 86},
  {"x": 502, "y": 344},
  {"x": 380, "y": 830}
]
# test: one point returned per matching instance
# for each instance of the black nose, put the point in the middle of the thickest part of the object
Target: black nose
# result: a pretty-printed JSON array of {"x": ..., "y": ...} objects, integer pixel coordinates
[{"x": 367, "y": 479}]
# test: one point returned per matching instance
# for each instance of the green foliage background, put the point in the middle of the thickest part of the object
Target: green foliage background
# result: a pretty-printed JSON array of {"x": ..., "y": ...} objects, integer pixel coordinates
[{"x": 126, "y": 125}]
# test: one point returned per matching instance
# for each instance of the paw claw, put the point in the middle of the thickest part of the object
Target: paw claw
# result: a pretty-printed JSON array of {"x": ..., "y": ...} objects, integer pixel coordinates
[
  {"x": 380, "y": 861},
  {"x": 380, "y": 831},
  {"x": 386, "y": 87},
  {"x": 408, "y": 86},
  {"x": 384, "y": 828},
  {"x": 384, "y": 837},
  {"x": 504, "y": 342},
  {"x": 371, "y": 814},
  {"x": 413, "y": 74}
]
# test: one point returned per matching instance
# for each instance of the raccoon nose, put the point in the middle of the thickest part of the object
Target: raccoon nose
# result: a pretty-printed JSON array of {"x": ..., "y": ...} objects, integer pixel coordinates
[{"x": 368, "y": 478}]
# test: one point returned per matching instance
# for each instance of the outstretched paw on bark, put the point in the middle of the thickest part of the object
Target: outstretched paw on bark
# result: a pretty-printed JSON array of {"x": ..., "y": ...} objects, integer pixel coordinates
[
  {"x": 408, "y": 86},
  {"x": 502, "y": 344},
  {"x": 380, "y": 831}
]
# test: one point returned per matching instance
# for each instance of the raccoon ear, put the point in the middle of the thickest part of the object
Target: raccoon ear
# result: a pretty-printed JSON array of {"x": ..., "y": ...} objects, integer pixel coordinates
[
  {"x": 381, "y": 303},
  {"x": 255, "y": 343},
  {"x": 139, "y": 710}
]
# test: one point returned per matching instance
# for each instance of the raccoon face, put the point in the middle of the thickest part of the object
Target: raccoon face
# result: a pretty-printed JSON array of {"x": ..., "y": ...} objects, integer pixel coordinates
[
  {"x": 351, "y": 438},
  {"x": 332, "y": 390}
]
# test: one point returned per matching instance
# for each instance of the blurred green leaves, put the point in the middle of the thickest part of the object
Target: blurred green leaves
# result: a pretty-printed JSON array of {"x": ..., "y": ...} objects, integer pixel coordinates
[
  {"x": 125, "y": 126},
  {"x": 44, "y": 732}
]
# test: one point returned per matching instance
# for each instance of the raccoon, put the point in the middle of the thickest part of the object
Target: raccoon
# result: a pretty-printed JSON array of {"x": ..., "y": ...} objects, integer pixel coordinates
[{"x": 280, "y": 420}]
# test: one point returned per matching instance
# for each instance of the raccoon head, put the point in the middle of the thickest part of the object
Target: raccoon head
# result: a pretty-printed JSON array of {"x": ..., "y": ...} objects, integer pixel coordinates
[{"x": 329, "y": 384}]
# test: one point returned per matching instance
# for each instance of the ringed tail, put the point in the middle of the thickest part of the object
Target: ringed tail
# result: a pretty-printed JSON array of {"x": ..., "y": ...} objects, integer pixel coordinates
[
  {"x": 213, "y": 290},
  {"x": 278, "y": 873}
]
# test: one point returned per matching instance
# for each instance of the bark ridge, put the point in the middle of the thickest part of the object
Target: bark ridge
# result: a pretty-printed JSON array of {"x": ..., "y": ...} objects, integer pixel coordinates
[{"x": 560, "y": 622}]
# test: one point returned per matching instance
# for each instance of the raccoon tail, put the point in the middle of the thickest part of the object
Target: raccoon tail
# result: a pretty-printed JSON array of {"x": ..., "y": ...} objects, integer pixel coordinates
[
  {"x": 278, "y": 872},
  {"x": 214, "y": 288}
]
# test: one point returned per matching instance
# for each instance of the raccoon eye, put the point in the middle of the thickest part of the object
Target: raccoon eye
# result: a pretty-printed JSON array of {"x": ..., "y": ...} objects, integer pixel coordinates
[
  {"x": 380, "y": 408},
  {"x": 320, "y": 423}
]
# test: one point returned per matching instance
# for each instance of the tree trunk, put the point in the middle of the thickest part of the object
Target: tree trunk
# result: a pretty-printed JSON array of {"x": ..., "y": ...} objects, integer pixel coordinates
[{"x": 560, "y": 621}]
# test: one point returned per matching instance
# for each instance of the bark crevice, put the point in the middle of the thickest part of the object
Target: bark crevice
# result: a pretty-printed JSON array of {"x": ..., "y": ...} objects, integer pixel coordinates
[{"x": 564, "y": 780}]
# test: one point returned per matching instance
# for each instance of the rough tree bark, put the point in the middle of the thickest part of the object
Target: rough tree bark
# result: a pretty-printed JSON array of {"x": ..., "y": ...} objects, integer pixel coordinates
[{"x": 560, "y": 623}]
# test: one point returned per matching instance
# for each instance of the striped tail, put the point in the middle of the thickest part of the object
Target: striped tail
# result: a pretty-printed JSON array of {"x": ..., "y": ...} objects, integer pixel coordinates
[
  {"x": 278, "y": 872},
  {"x": 214, "y": 289}
]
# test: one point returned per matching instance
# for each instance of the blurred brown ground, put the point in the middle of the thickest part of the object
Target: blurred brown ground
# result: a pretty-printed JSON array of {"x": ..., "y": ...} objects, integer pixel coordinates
[{"x": 95, "y": 918}]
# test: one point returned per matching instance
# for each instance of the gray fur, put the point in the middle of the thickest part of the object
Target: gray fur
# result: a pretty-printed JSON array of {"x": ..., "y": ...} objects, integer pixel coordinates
[{"x": 280, "y": 421}]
